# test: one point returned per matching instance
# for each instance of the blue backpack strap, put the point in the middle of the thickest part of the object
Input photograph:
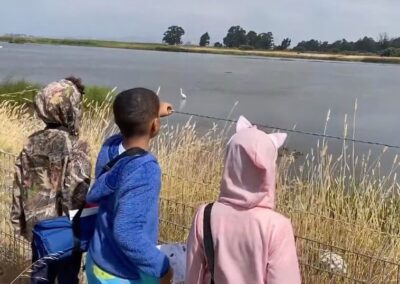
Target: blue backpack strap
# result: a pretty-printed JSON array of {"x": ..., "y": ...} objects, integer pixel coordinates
[{"x": 132, "y": 152}]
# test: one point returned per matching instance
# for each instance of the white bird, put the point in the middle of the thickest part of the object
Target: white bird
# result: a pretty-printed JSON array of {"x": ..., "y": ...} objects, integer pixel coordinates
[
  {"x": 183, "y": 96},
  {"x": 158, "y": 90}
]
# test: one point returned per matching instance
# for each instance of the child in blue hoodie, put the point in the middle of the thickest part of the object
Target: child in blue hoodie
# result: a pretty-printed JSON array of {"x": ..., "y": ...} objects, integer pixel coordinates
[{"x": 123, "y": 249}]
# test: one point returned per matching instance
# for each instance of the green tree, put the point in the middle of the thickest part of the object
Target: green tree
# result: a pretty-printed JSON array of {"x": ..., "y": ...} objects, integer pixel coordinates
[
  {"x": 382, "y": 46},
  {"x": 205, "y": 40},
  {"x": 391, "y": 52},
  {"x": 336, "y": 46},
  {"x": 265, "y": 41},
  {"x": 347, "y": 45},
  {"x": 384, "y": 41},
  {"x": 324, "y": 46},
  {"x": 235, "y": 37},
  {"x": 218, "y": 44},
  {"x": 173, "y": 35},
  {"x": 366, "y": 44},
  {"x": 310, "y": 45},
  {"x": 251, "y": 38},
  {"x": 285, "y": 44},
  {"x": 395, "y": 42}
]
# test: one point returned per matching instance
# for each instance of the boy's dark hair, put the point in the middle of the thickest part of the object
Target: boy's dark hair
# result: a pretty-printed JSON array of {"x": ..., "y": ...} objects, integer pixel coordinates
[
  {"x": 134, "y": 109},
  {"x": 78, "y": 83}
]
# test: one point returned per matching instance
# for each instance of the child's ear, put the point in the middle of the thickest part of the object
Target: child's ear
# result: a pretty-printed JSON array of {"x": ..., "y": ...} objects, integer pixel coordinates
[
  {"x": 242, "y": 123},
  {"x": 278, "y": 139},
  {"x": 155, "y": 127}
]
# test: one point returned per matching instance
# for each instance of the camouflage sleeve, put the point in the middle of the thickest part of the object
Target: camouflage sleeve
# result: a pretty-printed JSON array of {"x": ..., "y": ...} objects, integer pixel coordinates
[
  {"x": 77, "y": 176},
  {"x": 18, "y": 193}
]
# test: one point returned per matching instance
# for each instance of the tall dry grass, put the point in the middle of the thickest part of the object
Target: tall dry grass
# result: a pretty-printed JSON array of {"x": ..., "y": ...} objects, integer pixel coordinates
[{"x": 339, "y": 202}]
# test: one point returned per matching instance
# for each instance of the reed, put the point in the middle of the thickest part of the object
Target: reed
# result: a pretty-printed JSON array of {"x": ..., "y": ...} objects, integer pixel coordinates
[{"x": 344, "y": 201}]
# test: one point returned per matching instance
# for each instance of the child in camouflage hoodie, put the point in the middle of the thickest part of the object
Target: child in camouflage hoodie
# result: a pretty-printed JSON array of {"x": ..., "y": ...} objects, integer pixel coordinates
[{"x": 52, "y": 172}]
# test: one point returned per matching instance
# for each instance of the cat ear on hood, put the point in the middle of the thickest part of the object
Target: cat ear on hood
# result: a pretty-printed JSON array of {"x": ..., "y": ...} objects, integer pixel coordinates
[
  {"x": 242, "y": 123},
  {"x": 278, "y": 139}
]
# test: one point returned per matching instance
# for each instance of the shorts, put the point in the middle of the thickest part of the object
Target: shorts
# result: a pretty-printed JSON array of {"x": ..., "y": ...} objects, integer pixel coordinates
[{"x": 95, "y": 275}]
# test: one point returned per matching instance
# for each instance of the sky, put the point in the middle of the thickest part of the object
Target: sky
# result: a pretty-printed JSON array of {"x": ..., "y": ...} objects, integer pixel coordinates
[{"x": 147, "y": 20}]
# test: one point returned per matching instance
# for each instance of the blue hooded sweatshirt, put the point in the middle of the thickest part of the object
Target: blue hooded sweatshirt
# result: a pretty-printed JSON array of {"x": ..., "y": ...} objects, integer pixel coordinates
[{"x": 125, "y": 238}]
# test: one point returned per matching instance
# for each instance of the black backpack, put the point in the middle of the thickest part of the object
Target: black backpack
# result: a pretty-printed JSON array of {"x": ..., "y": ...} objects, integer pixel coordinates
[{"x": 208, "y": 239}]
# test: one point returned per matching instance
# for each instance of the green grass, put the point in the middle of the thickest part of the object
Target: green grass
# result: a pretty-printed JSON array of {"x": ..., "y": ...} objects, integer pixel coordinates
[
  {"x": 96, "y": 94},
  {"x": 82, "y": 42},
  {"x": 20, "y": 91},
  {"x": 357, "y": 57},
  {"x": 23, "y": 92}
]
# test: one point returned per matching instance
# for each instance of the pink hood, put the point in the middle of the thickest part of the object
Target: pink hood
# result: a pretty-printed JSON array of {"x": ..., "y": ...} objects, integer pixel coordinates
[
  {"x": 249, "y": 176},
  {"x": 252, "y": 243}
]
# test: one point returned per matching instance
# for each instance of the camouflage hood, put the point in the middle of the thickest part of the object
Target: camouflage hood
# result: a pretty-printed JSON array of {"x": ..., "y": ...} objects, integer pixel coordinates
[{"x": 59, "y": 104}]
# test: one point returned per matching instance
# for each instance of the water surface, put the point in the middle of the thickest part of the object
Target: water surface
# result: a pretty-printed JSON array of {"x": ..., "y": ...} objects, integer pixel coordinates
[{"x": 280, "y": 92}]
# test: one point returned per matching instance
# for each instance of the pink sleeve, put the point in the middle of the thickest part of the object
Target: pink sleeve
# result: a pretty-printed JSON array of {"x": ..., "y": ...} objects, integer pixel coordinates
[
  {"x": 283, "y": 266},
  {"x": 196, "y": 262}
]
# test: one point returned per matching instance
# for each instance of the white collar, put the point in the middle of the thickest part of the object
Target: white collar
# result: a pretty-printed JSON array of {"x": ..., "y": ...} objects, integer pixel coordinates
[{"x": 121, "y": 149}]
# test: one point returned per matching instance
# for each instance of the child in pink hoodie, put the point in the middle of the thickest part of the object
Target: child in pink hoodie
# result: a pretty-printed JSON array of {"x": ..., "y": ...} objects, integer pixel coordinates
[{"x": 252, "y": 243}]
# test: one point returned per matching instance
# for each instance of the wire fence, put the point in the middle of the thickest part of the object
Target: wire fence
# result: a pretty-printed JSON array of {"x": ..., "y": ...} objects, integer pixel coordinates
[
  {"x": 321, "y": 260},
  {"x": 265, "y": 126},
  {"x": 295, "y": 131}
]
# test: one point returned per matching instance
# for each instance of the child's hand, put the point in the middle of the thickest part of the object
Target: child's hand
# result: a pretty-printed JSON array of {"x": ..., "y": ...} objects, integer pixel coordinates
[
  {"x": 167, "y": 279},
  {"x": 165, "y": 109}
]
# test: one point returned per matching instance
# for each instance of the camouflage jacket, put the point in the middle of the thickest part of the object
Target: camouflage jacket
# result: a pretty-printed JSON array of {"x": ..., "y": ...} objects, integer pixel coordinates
[
  {"x": 52, "y": 176},
  {"x": 52, "y": 173}
]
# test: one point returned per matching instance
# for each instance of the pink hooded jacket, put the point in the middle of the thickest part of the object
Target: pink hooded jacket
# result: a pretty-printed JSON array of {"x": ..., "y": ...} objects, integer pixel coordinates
[{"x": 252, "y": 243}]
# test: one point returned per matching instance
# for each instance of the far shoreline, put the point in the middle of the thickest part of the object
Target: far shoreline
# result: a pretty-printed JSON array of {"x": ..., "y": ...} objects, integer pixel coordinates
[{"x": 203, "y": 50}]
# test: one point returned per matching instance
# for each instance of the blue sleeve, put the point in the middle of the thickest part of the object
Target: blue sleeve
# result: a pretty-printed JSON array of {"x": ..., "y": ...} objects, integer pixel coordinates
[{"x": 134, "y": 208}]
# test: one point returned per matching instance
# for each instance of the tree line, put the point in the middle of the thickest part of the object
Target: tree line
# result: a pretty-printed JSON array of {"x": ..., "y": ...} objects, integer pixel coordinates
[
  {"x": 384, "y": 46},
  {"x": 238, "y": 37}
]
